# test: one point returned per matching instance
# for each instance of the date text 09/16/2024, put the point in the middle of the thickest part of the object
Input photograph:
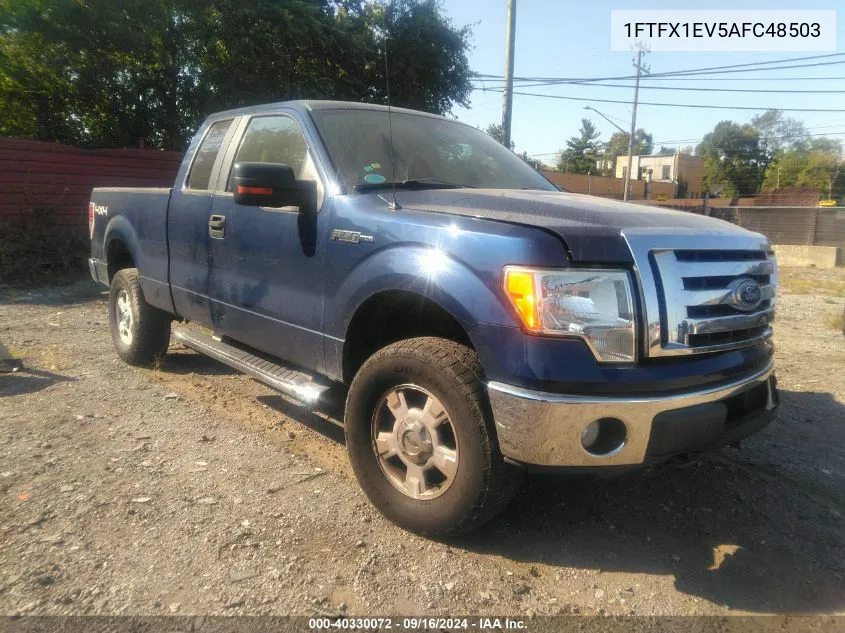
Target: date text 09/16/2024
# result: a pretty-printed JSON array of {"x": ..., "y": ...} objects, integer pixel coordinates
[{"x": 420, "y": 623}]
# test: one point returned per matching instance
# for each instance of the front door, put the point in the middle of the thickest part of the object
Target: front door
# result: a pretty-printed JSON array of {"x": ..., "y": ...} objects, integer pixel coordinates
[
  {"x": 267, "y": 282},
  {"x": 187, "y": 223}
]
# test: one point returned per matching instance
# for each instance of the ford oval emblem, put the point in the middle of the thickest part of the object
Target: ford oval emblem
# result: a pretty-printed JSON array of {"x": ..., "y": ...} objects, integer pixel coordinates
[{"x": 747, "y": 295}]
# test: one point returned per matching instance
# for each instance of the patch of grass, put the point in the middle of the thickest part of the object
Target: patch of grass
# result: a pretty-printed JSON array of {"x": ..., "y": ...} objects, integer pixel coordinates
[
  {"x": 837, "y": 322},
  {"x": 811, "y": 283}
]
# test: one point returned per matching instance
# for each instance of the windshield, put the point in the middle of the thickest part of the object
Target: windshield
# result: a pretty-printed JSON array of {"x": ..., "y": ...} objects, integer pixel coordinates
[{"x": 425, "y": 149}]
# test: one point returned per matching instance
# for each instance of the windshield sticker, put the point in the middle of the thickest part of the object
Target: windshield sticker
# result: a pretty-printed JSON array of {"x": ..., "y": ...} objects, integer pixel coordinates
[
  {"x": 374, "y": 178},
  {"x": 372, "y": 166}
]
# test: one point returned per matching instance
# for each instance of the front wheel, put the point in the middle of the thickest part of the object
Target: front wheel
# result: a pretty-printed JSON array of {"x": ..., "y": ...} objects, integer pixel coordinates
[
  {"x": 140, "y": 332},
  {"x": 421, "y": 439}
]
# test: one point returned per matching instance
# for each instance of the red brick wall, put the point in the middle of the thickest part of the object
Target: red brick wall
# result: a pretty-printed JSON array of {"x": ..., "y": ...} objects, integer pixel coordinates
[{"x": 35, "y": 174}]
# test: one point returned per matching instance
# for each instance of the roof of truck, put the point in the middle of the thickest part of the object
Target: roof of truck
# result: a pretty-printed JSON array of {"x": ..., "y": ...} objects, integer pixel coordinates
[{"x": 311, "y": 105}]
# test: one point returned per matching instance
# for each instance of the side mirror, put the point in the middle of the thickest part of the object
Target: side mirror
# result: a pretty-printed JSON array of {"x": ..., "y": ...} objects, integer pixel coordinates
[{"x": 271, "y": 185}]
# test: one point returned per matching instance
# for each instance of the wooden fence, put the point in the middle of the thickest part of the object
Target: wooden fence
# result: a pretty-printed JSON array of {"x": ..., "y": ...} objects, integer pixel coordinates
[
  {"x": 607, "y": 187},
  {"x": 791, "y": 225},
  {"x": 57, "y": 179}
]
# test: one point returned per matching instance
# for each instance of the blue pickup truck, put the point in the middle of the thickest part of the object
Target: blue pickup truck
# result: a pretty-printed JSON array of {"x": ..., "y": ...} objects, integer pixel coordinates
[{"x": 484, "y": 322}]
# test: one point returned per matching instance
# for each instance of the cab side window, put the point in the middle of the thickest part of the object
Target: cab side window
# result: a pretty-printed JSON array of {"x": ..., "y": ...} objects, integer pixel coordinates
[
  {"x": 200, "y": 175},
  {"x": 275, "y": 139}
]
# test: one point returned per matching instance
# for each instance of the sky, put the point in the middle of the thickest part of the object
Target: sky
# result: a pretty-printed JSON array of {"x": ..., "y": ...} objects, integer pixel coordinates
[{"x": 572, "y": 39}]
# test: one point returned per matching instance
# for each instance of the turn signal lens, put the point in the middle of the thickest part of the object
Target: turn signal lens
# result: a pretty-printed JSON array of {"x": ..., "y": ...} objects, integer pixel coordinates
[{"x": 519, "y": 286}]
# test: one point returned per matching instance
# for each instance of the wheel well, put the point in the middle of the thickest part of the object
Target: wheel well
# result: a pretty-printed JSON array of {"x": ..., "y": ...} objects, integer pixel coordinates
[
  {"x": 118, "y": 258},
  {"x": 391, "y": 316}
]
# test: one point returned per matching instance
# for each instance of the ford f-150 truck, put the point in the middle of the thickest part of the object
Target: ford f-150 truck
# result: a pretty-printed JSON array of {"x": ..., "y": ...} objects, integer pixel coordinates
[{"x": 484, "y": 321}]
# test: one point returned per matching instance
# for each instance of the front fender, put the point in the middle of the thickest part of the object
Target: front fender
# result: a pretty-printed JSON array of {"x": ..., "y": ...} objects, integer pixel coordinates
[{"x": 426, "y": 271}]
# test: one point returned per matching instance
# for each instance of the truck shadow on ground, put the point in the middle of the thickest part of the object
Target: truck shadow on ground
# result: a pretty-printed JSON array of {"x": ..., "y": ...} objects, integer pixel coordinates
[
  {"x": 325, "y": 420},
  {"x": 183, "y": 363},
  {"x": 740, "y": 528}
]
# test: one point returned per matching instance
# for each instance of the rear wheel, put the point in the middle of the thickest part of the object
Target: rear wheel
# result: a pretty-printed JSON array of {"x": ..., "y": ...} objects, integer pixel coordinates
[
  {"x": 140, "y": 332},
  {"x": 421, "y": 439}
]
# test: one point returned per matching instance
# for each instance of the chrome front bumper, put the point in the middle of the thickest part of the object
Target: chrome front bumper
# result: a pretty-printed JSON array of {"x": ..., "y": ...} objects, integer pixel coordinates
[{"x": 544, "y": 429}]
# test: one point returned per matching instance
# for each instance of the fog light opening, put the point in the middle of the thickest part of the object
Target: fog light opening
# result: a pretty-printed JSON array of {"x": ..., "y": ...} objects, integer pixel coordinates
[{"x": 604, "y": 437}]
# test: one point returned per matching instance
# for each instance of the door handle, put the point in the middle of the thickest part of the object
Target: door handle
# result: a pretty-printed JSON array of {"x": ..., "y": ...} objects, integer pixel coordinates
[{"x": 217, "y": 226}]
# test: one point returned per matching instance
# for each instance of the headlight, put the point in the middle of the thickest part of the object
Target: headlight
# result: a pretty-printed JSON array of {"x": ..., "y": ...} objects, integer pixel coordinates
[{"x": 595, "y": 305}]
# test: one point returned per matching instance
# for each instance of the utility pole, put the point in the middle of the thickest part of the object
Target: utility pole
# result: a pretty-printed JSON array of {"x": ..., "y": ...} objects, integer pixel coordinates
[
  {"x": 507, "y": 97},
  {"x": 638, "y": 64}
]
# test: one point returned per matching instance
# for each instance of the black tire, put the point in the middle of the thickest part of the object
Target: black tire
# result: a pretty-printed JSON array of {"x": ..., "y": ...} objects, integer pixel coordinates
[
  {"x": 149, "y": 328},
  {"x": 483, "y": 484}
]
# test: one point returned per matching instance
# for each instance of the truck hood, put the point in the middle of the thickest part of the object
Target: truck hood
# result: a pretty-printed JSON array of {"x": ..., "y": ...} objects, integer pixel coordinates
[{"x": 590, "y": 227}]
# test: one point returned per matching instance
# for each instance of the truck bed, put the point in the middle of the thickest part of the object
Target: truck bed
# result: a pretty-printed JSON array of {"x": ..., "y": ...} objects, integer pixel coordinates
[{"x": 138, "y": 217}]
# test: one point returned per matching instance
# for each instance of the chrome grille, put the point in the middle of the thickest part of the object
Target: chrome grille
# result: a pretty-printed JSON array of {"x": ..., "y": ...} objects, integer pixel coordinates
[
  {"x": 699, "y": 310},
  {"x": 690, "y": 285}
]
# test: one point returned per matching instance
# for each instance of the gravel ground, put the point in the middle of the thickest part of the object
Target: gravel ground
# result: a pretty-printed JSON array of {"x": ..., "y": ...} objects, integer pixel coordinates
[{"x": 191, "y": 489}]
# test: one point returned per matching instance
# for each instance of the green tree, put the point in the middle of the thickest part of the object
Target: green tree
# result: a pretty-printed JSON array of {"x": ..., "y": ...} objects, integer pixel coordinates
[
  {"x": 733, "y": 158},
  {"x": 824, "y": 171},
  {"x": 618, "y": 144},
  {"x": 827, "y": 145},
  {"x": 784, "y": 169},
  {"x": 496, "y": 131},
  {"x": 429, "y": 68},
  {"x": 536, "y": 164},
  {"x": 105, "y": 73},
  {"x": 581, "y": 151},
  {"x": 778, "y": 132},
  {"x": 666, "y": 149},
  {"x": 818, "y": 165}
]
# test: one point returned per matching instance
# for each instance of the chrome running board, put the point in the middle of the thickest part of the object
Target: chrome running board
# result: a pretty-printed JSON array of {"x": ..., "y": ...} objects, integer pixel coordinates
[{"x": 291, "y": 382}]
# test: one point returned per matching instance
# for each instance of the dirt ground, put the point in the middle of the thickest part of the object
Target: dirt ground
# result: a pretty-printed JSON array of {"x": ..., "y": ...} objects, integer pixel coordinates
[{"x": 191, "y": 489}]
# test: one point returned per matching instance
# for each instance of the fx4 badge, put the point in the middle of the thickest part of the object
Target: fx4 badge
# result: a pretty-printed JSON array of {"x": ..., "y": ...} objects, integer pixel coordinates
[{"x": 353, "y": 237}]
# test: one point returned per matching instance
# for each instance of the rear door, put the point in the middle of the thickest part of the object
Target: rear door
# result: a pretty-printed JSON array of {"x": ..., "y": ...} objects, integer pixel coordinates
[
  {"x": 188, "y": 220},
  {"x": 267, "y": 276}
]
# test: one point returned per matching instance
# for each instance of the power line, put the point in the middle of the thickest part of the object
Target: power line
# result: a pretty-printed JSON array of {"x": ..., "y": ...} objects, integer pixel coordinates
[
  {"x": 781, "y": 137},
  {"x": 685, "y": 78},
  {"x": 698, "y": 140},
  {"x": 673, "y": 105},
  {"x": 590, "y": 82},
  {"x": 689, "y": 88},
  {"x": 786, "y": 137},
  {"x": 705, "y": 70},
  {"x": 746, "y": 70},
  {"x": 732, "y": 68}
]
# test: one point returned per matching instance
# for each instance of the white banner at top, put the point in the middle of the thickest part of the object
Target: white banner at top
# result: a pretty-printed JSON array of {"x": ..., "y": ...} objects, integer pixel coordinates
[{"x": 724, "y": 30}]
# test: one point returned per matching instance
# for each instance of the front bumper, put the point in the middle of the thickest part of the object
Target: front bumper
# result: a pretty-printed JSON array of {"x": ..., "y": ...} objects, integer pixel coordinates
[{"x": 544, "y": 429}]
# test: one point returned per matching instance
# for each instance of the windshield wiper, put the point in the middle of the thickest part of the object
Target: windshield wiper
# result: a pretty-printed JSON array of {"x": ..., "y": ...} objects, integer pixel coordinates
[{"x": 416, "y": 183}]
